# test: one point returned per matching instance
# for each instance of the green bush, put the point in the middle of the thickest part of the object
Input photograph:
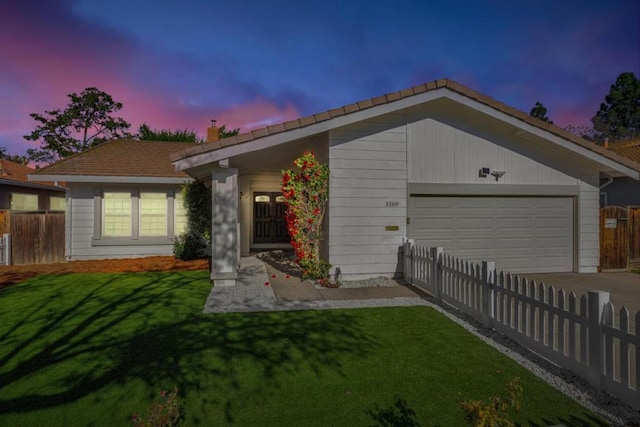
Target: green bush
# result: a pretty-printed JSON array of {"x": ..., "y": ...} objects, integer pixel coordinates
[
  {"x": 188, "y": 246},
  {"x": 495, "y": 411},
  {"x": 197, "y": 201}
]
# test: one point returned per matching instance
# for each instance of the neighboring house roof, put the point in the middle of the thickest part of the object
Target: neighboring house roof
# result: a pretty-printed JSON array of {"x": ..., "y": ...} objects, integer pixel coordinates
[
  {"x": 401, "y": 99},
  {"x": 119, "y": 161},
  {"x": 627, "y": 148},
  {"x": 16, "y": 174}
]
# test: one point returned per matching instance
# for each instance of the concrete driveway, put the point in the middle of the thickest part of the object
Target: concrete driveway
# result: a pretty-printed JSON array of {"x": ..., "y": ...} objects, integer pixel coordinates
[{"x": 624, "y": 288}]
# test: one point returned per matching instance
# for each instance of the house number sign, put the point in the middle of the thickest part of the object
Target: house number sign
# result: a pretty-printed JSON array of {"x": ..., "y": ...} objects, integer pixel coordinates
[
  {"x": 610, "y": 223},
  {"x": 393, "y": 203}
]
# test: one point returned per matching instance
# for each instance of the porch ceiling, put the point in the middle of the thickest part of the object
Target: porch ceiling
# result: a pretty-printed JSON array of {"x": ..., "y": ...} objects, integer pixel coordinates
[{"x": 279, "y": 157}]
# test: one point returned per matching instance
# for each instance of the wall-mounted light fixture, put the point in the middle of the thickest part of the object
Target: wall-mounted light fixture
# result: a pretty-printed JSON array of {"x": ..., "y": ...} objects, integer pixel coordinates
[
  {"x": 497, "y": 174},
  {"x": 485, "y": 172}
]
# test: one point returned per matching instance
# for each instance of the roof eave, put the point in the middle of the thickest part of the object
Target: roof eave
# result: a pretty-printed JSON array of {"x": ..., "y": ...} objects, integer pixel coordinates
[
  {"x": 544, "y": 134},
  {"x": 112, "y": 179},
  {"x": 215, "y": 154},
  {"x": 205, "y": 157},
  {"x": 33, "y": 184}
]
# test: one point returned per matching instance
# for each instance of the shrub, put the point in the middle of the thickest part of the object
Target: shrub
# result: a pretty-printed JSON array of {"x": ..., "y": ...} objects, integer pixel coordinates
[
  {"x": 306, "y": 192},
  {"x": 197, "y": 201},
  {"x": 494, "y": 412},
  {"x": 188, "y": 246},
  {"x": 168, "y": 413}
]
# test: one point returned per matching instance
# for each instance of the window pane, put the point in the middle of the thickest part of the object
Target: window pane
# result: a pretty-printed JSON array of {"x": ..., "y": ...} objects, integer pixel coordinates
[
  {"x": 116, "y": 214},
  {"x": 24, "y": 202},
  {"x": 153, "y": 214},
  {"x": 57, "y": 203},
  {"x": 263, "y": 198},
  {"x": 179, "y": 215}
]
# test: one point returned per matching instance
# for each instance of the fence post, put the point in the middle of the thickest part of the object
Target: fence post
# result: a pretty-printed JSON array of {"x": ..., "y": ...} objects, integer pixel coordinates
[
  {"x": 407, "y": 249},
  {"x": 597, "y": 301},
  {"x": 7, "y": 248},
  {"x": 488, "y": 281},
  {"x": 436, "y": 270}
]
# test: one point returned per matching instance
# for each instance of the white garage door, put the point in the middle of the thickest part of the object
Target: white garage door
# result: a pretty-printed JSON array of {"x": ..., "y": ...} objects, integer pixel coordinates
[{"x": 521, "y": 234}]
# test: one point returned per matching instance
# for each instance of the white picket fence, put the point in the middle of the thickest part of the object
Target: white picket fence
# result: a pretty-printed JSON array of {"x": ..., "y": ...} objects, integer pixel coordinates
[
  {"x": 578, "y": 333},
  {"x": 5, "y": 249}
]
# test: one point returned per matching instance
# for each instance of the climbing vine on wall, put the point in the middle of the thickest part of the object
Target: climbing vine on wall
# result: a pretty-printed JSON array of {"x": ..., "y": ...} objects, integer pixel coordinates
[
  {"x": 197, "y": 202},
  {"x": 306, "y": 192}
]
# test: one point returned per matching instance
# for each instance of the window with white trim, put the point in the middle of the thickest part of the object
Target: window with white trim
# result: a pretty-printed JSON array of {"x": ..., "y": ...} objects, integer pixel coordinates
[
  {"x": 116, "y": 214},
  {"x": 153, "y": 214},
  {"x": 57, "y": 203},
  {"x": 24, "y": 202},
  {"x": 179, "y": 214}
]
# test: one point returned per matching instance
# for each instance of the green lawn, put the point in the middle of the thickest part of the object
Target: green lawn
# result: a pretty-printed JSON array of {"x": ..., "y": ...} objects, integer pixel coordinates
[{"x": 93, "y": 349}]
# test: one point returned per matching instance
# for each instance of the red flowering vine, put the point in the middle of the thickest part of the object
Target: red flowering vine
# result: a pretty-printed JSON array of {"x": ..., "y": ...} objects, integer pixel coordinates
[{"x": 306, "y": 191}]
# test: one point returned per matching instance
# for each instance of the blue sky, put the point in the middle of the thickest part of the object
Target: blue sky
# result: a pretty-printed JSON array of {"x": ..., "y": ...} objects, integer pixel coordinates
[{"x": 177, "y": 64}]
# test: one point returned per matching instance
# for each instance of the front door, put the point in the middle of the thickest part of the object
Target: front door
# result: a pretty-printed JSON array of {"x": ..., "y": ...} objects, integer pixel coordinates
[{"x": 269, "y": 225}]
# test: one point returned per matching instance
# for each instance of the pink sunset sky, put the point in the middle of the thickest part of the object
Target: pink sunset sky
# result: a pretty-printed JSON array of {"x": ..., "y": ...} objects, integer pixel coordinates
[{"x": 177, "y": 65}]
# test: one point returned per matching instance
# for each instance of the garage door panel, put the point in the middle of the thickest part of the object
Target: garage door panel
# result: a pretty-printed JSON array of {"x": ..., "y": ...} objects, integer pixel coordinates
[
  {"x": 473, "y": 244},
  {"x": 521, "y": 234}
]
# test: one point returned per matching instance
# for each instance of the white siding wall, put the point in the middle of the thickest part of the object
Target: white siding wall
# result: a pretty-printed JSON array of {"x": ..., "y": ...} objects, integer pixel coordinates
[
  {"x": 368, "y": 167},
  {"x": 448, "y": 144},
  {"x": 589, "y": 225},
  {"x": 81, "y": 222},
  {"x": 440, "y": 153}
]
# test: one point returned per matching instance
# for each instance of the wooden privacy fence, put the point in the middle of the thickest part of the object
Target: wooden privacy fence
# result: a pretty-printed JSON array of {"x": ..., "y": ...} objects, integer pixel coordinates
[
  {"x": 36, "y": 238},
  {"x": 4, "y": 221},
  {"x": 619, "y": 237},
  {"x": 576, "y": 333}
]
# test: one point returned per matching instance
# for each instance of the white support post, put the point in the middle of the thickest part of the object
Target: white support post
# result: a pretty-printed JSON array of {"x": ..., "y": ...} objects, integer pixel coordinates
[
  {"x": 488, "y": 282},
  {"x": 437, "y": 253},
  {"x": 224, "y": 226},
  {"x": 596, "y": 302}
]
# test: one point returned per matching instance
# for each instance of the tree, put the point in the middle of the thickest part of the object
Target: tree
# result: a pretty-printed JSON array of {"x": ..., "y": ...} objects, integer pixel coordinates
[
  {"x": 145, "y": 133},
  {"x": 583, "y": 131},
  {"x": 15, "y": 158},
  {"x": 619, "y": 114},
  {"x": 224, "y": 133},
  {"x": 86, "y": 122},
  {"x": 539, "y": 111}
]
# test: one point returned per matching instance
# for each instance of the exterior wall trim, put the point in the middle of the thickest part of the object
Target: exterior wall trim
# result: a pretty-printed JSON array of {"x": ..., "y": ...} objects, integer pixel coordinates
[
  {"x": 416, "y": 189},
  {"x": 128, "y": 241},
  {"x": 112, "y": 179}
]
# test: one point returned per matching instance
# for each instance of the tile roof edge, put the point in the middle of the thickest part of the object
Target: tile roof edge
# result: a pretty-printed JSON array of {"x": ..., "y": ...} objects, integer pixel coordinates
[{"x": 444, "y": 83}]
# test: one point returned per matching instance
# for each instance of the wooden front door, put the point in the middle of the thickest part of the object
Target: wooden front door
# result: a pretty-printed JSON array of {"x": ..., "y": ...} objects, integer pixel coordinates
[
  {"x": 269, "y": 225},
  {"x": 613, "y": 237}
]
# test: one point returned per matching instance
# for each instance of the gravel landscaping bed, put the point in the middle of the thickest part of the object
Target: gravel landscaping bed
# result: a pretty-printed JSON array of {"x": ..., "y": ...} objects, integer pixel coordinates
[{"x": 284, "y": 261}]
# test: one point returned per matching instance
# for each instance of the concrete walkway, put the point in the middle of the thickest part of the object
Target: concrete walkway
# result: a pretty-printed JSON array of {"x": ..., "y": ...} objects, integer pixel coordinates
[{"x": 262, "y": 288}]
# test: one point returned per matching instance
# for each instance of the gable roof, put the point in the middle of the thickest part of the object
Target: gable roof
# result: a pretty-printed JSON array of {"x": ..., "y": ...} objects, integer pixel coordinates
[
  {"x": 627, "y": 148},
  {"x": 16, "y": 174},
  {"x": 392, "y": 101},
  {"x": 130, "y": 160}
]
